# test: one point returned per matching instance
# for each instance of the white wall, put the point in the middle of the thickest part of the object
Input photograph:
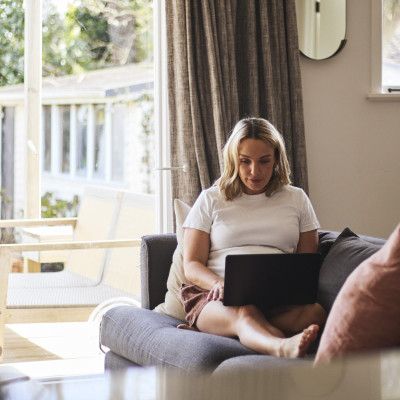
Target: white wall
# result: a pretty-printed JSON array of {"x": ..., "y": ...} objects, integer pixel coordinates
[{"x": 353, "y": 144}]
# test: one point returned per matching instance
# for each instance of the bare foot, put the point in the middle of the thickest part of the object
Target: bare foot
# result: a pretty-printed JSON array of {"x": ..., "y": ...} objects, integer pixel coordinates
[{"x": 297, "y": 346}]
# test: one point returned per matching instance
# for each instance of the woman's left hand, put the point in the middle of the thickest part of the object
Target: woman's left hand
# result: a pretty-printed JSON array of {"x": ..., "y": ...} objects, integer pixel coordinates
[{"x": 217, "y": 291}]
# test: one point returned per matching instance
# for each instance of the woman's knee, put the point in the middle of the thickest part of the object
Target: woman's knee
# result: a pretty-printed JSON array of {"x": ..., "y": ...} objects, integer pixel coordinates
[
  {"x": 248, "y": 315},
  {"x": 249, "y": 311},
  {"x": 313, "y": 314},
  {"x": 319, "y": 313},
  {"x": 251, "y": 319}
]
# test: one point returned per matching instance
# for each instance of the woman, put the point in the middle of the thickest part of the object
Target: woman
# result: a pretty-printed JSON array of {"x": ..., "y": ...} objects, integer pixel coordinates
[{"x": 251, "y": 209}]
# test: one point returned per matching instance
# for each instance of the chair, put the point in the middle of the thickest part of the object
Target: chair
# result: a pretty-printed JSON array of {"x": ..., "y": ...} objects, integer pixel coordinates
[
  {"x": 87, "y": 280},
  {"x": 122, "y": 272},
  {"x": 93, "y": 275},
  {"x": 5, "y": 262},
  {"x": 136, "y": 219},
  {"x": 97, "y": 217}
]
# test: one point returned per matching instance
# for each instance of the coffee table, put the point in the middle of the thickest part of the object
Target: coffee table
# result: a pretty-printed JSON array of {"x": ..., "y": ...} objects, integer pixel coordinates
[{"x": 367, "y": 377}]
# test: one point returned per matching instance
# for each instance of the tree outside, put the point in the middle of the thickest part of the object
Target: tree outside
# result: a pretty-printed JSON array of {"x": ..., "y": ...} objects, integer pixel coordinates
[
  {"x": 11, "y": 42},
  {"x": 87, "y": 35},
  {"x": 80, "y": 36}
]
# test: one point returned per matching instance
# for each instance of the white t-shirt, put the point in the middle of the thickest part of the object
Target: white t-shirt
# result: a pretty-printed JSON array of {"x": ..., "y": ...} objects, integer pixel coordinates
[{"x": 251, "y": 223}]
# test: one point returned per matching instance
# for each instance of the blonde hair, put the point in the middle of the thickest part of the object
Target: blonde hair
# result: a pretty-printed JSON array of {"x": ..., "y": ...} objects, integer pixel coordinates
[{"x": 229, "y": 183}]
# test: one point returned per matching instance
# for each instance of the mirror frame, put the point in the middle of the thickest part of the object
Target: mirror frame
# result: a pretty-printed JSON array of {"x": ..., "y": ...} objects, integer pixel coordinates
[{"x": 301, "y": 22}]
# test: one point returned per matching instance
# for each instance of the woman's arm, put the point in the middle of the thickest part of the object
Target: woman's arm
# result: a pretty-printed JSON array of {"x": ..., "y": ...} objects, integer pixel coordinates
[
  {"x": 196, "y": 245},
  {"x": 308, "y": 242}
]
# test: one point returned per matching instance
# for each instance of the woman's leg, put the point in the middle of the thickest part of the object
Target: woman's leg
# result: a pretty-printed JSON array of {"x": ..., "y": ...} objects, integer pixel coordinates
[
  {"x": 253, "y": 330},
  {"x": 293, "y": 319}
]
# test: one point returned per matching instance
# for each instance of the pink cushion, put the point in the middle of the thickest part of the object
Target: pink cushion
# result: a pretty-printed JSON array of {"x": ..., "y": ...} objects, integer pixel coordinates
[{"x": 366, "y": 312}]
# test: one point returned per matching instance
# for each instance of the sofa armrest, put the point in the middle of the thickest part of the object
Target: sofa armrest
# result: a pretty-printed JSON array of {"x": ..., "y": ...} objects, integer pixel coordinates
[{"x": 155, "y": 262}]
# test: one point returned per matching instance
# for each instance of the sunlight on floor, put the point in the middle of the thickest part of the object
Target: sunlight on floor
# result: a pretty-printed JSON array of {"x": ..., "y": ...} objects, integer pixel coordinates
[
  {"x": 47, "y": 370},
  {"x": 54, "y": 349},
  {"x": 64, "y": 340}
]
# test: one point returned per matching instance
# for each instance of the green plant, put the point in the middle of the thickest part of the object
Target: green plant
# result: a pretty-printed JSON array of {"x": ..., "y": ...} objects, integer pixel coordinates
[
  {"x": 11, "y": 42},
  {"x": 53, "y": 207}
]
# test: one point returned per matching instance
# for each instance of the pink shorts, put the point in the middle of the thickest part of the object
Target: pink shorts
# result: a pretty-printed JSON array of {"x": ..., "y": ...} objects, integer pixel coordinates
[{"x": 194, "y": 299}]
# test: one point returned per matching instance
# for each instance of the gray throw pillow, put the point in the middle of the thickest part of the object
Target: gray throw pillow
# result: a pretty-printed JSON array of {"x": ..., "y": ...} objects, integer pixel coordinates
[{"x": 345, "y": 255}]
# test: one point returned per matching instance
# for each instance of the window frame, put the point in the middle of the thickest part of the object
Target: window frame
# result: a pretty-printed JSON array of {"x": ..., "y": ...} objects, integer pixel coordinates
[
  {"x": 33, "y": 79},
  {"x": 164, "y": 206},
  {"x": 376, "y": 92},
  {"x": 56, "y": 148}
]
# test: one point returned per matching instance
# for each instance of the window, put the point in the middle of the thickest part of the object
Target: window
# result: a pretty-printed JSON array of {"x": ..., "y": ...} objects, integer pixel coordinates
[
  {"x": 81, "y": 140},
  {"x": 99, "y": 143},
  {"x": 391, "y": 45},
  {"x": 83, "y": 134},
  {"x": 97, "y": 64},
  {"x": 88, "y": 131},
  {"x": 65, "y": 131},
  {"x": 385, "y": 50},
  {"x": 47, "y": 138}
]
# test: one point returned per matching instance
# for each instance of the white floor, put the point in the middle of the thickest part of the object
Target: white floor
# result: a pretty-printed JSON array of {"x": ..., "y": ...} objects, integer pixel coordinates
[{"x": 47, "y": 350}]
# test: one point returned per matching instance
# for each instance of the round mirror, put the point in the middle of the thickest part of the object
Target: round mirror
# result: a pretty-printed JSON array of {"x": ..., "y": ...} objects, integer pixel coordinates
[{"x": 321, "y": 26}]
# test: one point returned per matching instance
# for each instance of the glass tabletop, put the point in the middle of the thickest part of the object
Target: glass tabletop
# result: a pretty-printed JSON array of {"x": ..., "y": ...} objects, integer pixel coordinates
[{"x": 367, "y": 376}]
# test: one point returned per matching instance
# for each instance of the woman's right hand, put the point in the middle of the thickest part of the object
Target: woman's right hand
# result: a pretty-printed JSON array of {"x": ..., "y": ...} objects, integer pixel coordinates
[{"x": 217, "y": 291}]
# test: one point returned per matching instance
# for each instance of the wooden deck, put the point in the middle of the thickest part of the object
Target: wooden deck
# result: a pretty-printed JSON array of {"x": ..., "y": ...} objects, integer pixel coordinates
[{"x": 49, "y": 350}]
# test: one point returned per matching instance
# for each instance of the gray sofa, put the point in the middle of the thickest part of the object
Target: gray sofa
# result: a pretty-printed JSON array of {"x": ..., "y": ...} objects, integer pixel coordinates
[{"x": 140, "y": 336}]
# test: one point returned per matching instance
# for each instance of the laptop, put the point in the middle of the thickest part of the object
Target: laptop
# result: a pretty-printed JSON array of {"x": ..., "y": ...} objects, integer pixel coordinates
[{"x": 271, "y": 280}]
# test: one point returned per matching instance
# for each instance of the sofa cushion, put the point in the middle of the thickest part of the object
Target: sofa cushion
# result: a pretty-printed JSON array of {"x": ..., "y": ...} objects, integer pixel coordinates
[
  {"x": 255, "y": 362},
  {"x": 172, "y": 304},
  {"x": 156, "y": 253},
  {"x": 365, "y": 315},
  {"x": 114, "y": 362},
  {"x": 325, "y": 242},
  {"x": 149, "y": 338},
  {"x": 345, "y": 254}
]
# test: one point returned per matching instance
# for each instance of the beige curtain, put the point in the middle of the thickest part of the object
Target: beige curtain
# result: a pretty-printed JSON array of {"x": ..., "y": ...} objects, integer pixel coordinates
[{"x": 228, "y": 59}]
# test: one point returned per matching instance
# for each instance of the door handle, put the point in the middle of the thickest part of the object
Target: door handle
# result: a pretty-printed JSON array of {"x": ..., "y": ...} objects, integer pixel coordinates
[{"x": 183, "y": 168}]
